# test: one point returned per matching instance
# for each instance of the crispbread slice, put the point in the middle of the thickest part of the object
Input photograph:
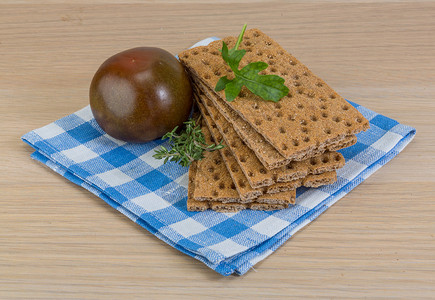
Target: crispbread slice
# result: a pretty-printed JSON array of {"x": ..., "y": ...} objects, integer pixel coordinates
[
  {"x": 318, "y": 180},
  {"x": 217, "y": 183},
  {"x": 240, "y": 157},
  {"x": 312, "y": 116},
  {"x": 316, "y": 165},
  {"x": 194, "y": 205},
  {"x": 265, "y": 152}
]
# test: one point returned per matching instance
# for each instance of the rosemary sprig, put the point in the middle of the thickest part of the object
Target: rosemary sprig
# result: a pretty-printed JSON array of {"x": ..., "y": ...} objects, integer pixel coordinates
[{"x": 186, "y": 146}]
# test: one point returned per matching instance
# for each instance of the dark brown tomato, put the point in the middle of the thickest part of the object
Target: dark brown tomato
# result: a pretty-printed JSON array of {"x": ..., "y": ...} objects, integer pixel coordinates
[{"x": 140, "y": 94}]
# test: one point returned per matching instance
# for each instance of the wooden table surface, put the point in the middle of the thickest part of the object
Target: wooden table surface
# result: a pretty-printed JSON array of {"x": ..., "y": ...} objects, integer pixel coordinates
[{"x": 59, "y": 241}]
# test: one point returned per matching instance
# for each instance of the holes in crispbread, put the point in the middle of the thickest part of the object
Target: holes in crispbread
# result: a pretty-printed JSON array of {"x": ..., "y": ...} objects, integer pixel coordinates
[
  {"x": 207, "y": 76},
  {"x": 271, "y": 62},
  {"x": 300, "y": 105},
  {"x": 234, "y": 144},
  {"x": 256, "y": 34},
  {"x": 296, "y": 77},
  {"x": 225, "y": 130},
  {"x": 304, "y": 129},
  {"x": 311, "y": 94},
  {"x": 262, "y": 171},
  {"x": 217, "y": 73},
  {"x": 332, "y": 96},
  {"x": 242, "y": 184},
  {"x": 268, "y": 43},
  {"x": 259, "y": 53},
  {"x": 255, "y": 105},
  {"x": 297, "y": 83},
  {"x": 257, "y": 122},
  {"x": 284, "y": 147},
  {"x": 324, "y": 115},
  {"x": 195, "y": 52},
  {"x": 336, "y": 119},
  {"x": 268, "y": 118},
  {"x": 215, "y": 194},
  {"x": 327, "y": 131},
  {"x": 313, "y": 118},
  {"x": 232, "y": 186},
  {"x": 243, "y": 159},
  {"x": 217, "y": 161},
  {"x": 216, "y": 177},
  {"x": 247, "y": 43},
  {"x": 250, "y": 174},
  {"x": 359, "y": 120},
  {"x": 214, "y": 53},
  {"x": 348, "y": 123},
  {"x": 227, "y": 153},
  {"x": 337, "y": 157},
  {"x": 345, "y": 107},
  {"x": 205, "y": 62},
  {"x": 282, "y": 130},
  {"x": 291, "y": 117},
  {"x": 210, "y": 169},
  {"x": 325, "y": 159},
  {"x": 278, "y": 114},
  {"x": 273, "y": 70},
  {"x": 313, "y": 161},
  {"x": 305, "y": 74},
  {"x": 234, "y": 168},
  {"x": 295, "y": 143},
  {"x": 306, "y": 139},
  {"x": 221, "y": 185},
  {"x": 292, "y": 62},
  {"x": 303, "y": 122},
  {"x": 290, "y": 166},
  {"x": 319, "y": 84}
]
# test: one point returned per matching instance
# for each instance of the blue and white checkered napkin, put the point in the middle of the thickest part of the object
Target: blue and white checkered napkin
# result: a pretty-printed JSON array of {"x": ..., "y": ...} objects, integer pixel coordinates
[{"x": 154, "y": 194}]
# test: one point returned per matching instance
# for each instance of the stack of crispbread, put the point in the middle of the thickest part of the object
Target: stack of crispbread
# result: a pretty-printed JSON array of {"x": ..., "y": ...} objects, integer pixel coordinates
[{"x": 270, "y": 148}]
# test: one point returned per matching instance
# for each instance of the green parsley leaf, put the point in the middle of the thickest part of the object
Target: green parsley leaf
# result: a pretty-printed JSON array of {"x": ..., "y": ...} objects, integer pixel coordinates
[{"x": 268, "y": 87}]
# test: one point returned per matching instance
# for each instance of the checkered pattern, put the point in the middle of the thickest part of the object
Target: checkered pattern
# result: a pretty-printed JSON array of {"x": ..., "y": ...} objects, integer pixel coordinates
[{"x": 154, "y": 195}]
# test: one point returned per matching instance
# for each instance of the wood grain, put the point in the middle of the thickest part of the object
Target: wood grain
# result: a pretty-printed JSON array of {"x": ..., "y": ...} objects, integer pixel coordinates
[{"x": 59, "y": 241}]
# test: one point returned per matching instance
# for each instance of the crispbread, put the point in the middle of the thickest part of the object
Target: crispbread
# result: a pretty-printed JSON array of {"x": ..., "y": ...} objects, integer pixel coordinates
[
  {"x": 315, "y": 181},
  {"x": 311, "y": 117},
  {"x": 264, "y": 151},
  {"x": 216, "y": 184},
  {"x": 194, "y": 205},
  {"x": 240, "y": 156},
  {"x": 219, "y": 183}
]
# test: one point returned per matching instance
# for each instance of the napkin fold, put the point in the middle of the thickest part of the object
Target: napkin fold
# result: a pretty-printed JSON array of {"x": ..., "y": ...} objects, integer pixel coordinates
[{"x": 154, "y": 195}]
